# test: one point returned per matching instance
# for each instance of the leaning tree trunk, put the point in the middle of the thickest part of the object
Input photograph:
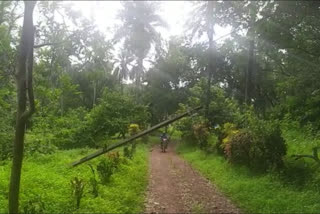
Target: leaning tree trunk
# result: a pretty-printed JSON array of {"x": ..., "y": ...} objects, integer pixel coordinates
[{"x": 24, "y": 93}]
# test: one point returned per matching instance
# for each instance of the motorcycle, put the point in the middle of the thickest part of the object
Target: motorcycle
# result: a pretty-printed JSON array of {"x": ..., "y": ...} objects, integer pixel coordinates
[{"x": 164, "y": 144}]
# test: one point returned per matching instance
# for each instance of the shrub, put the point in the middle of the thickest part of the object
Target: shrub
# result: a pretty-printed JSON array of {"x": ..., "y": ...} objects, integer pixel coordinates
[
  {"x": 128, "y": 152},
  {"x": 238, "y": 148},
  {"x": 114, "y": 158},
  {"x": 5, "y": 146},
  {"x": 34, "y": 206},
  {"x": 201, "y": 134},
  {"x": 134, "y": 129},
  {"x": 39, "y": 144},
  {"x": 77, "y": 186},
  {"x": 94, "y": 183},
  {"x": 212, "y": 141},
  {"x": 105, "y": 170},
  {"x": 272, "y": 145},
  {"x": 224, "y": 135},
  {"x": 261, "y": 147}
]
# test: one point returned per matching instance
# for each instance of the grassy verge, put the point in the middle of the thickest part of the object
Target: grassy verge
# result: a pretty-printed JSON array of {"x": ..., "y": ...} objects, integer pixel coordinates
[
  {"x": 254, "y": 193},
  {"x": 46, "y": 178}
]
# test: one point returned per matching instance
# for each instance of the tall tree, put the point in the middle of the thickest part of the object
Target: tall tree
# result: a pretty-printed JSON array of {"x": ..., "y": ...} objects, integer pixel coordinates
[
  {"x": 121, "y": 70},
  {"x": 139, "y": 32},
  {"x": 24, "y": 96},
  {"x": 203, "y": 21}
]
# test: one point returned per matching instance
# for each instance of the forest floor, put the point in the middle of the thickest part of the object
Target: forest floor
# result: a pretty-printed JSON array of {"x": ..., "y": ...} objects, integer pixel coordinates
[{"x": 174, "y": 187}]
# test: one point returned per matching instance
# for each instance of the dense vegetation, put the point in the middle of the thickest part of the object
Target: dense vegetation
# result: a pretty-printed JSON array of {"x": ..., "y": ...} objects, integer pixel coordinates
[
  {"x": 46, "y": 184},
  {"x": 258, "y": 85}
]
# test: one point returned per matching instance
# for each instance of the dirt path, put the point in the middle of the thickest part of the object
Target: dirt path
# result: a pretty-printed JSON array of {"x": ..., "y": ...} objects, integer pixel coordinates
[{"x": 174, "y": 187}]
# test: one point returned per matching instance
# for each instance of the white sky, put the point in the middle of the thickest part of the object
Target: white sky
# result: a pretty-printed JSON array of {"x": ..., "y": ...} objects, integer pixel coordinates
[{"x": 173, "y": 12}]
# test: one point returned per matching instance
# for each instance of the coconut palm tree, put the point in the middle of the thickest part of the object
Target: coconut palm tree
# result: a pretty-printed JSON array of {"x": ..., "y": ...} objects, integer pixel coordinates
[
  {"x": 138, "y": 31},
  {"x": 121, "y": 63},
  {"x": 202, "y": 20}
]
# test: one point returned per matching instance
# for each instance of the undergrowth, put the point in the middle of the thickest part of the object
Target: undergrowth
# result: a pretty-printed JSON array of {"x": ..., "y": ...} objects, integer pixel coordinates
[
  {"x": 46, "y": 182},
  {"x": 295, "y": 189}
]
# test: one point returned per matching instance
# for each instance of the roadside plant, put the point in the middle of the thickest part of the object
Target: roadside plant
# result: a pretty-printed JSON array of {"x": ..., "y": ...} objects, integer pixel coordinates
[
  {"x": 34, "y": 206},
  {"x": 77, "y": 186},
  {"x": 134, "y": 129},
  {"x": 94, "y": 183},
  {"x": 105, "y": 170}
]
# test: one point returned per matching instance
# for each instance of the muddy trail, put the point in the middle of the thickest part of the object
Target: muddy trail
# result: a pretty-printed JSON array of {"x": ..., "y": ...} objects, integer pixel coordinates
[{"x": 174, "y": 187}]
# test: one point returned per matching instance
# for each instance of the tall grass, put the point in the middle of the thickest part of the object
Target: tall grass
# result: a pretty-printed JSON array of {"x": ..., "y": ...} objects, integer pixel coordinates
[
  {"x": 47, "y": 178},
  {"x": 296, "y": 189}
]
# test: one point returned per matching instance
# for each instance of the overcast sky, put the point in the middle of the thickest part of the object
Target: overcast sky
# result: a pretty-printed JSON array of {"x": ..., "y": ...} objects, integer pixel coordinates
[{"x": 174, "y": 12}]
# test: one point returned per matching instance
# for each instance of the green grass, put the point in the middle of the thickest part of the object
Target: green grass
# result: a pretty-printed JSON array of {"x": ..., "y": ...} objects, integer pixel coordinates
[
  {"x": 48, "y": 176},
  {"x": 259, "y": 193}
]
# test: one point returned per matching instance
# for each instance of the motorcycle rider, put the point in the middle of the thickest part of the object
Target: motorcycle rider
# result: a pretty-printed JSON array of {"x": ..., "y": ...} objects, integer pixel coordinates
[{"x": 163, "y": 138}]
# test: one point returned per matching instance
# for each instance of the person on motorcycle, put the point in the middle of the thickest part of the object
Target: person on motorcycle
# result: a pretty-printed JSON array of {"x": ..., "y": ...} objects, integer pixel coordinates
[{"x": 164, "y": 141}]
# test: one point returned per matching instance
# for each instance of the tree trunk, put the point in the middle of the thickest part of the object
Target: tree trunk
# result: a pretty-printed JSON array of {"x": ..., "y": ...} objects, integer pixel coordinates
[
  {"x": 249, "y": 88},
  {"x": 94, "y": 93},
  {"x": 24, "y": 90},
  {"x": 139, "y": 72},
  {"x": 250, "y": 35},
  {"x": 138, "y": 79},
  {"x": 210, "y": 66}
]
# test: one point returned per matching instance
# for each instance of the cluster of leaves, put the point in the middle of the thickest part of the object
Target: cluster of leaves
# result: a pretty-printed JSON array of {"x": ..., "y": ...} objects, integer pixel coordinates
[
  {"x": 256, "y": 142},
  {"x": 77, "y": 186},
  {"x": 258, "y": 145},
  {"x": 113, "y": 115},
  {"x": 36, "y": 206},
  {"x": 108, "y": 165},
  {"x": 51, "y": 191},
  {"x": 133, "y": 129}
]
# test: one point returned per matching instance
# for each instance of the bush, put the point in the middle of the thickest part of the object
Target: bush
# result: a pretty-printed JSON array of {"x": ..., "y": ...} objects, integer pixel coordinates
[
  {"x": 224, "y": 135},
  {"x": 212, "y": 141},
  {"x": 77, "y": 186},
  {"x": 39, "y": 144},
  {"x": 260, "y": 147},
  {"x": 105, "y": 170},
  {"x": 108, "y": 165},
  {"x": 6, "y": 142},
  {"x": 239, "y": 148},
  {"x": 34, "y": 206},
  {"x": 134, "y": 129},
  {"x": 201, "y": 134}
]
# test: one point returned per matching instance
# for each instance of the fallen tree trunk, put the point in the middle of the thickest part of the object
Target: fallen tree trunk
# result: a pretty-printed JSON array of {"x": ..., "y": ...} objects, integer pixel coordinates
[{"x": 128, "y": 140}]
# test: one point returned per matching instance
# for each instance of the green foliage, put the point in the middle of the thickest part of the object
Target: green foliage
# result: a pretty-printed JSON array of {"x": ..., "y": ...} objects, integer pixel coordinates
[
  {"x": 251, "y": 191},
  {"x": 113, "y": 115},
  {"x": 212, "y": 143},
  {"x": 258, "y": 146},
  {"x": 6, "y": 123},
  {"x": 240, "y": 148},
  {"x": 62, "y": 131},
  {"x": 93, "y": 182},
  {"x": 108, "y": 165},
  {"x": 77, "y": 186},
  {"x": 124, "y": 193},
  {"x": 35, "y": 206},
  {"x": 105, "y": 169},
  {"x": 201, "y": 134},
  {"x": 6, "y": 142},
  {"x": 270, "y": 143},
  {"x": 134, "y": 129},
  {"x": 38, "y": 144}
]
